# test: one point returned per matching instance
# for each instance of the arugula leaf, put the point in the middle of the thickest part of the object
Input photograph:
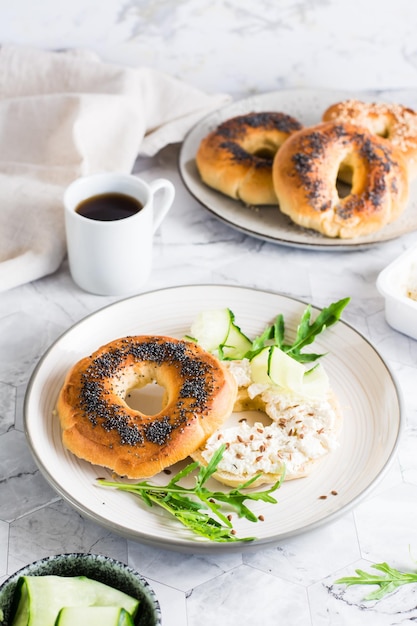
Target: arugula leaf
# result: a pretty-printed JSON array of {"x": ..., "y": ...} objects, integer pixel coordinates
[
  {"x": 392, "y": 579},
  {"x": 263, "y": 340},
  {"x": 307, "y": 331},
  {"x": 189, "y": 505},
  {"x": 279, "y": 330},
  {"x": 205, "y": 472}
]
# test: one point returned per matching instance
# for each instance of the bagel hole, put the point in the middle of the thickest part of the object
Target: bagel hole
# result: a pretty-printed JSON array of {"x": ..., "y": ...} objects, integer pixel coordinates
[
  {"x": 384, "y": 133},
  {"x": 344, "y": 180},
  {"x": 148, "y": 399},
  {"x": 265, "y": 153}
]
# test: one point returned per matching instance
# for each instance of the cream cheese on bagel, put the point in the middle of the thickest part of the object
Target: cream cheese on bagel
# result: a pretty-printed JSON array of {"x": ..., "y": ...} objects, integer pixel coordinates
[{"x": 301, "y": 432}]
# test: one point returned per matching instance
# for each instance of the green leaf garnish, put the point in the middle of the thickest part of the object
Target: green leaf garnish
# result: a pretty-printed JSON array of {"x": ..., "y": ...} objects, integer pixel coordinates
[
  {"x": 391, "y": 580},
  {"x": 307, "y": 331},
  {"x": 190, "y": 505}
]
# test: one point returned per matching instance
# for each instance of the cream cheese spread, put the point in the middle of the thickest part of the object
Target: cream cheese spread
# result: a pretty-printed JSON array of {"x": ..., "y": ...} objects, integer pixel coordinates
[{"x": 301, "y": 430}]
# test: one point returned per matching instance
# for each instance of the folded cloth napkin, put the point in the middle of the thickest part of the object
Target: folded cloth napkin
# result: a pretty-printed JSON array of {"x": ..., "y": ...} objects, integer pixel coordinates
[{"x": 65, "y": 115}]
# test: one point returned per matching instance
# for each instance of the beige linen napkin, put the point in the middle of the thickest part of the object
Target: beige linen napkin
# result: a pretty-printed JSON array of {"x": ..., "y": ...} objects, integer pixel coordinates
[{"x": 68, "y": 114}]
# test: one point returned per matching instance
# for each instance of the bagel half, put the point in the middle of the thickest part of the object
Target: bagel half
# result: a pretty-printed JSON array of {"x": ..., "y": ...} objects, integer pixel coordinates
[
  {"x": 255, "y": 440},
  {"x": 236, "y": 158},
  {"x": 99, "y": 426},
  {"x": 305, "y": 173},
  {"x": 394, "y": 122}
]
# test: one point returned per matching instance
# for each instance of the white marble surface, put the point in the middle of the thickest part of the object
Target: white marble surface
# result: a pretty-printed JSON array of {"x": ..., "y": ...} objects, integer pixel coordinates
[{"x": 240, "y": 48}]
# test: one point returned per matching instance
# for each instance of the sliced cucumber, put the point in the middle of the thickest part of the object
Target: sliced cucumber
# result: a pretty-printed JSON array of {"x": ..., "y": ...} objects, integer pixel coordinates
[
  {"x": 21, "y": 616},
  {"x": 94, "y": 616},
  {"x": 273, "y": 366},
  {"x": 40, "y": 598},
  {"x": 210, "y": 328},
  {"x": 259, "y": 367},
  {"x": 284, "y": 370},
  {"x": 316, "y": 382},
  {"x": 106, "y": 595},
  {"x": 236, "y": 344},
  {"x": 216, "y": 331}
]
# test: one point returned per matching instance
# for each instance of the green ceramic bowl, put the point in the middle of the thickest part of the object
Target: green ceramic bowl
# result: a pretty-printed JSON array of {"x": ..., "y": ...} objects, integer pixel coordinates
[{"x": 97, "y": 567}]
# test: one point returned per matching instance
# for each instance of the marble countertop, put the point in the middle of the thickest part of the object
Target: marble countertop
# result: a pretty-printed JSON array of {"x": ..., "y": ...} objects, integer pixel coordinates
[{"x": 221, "y": 47}]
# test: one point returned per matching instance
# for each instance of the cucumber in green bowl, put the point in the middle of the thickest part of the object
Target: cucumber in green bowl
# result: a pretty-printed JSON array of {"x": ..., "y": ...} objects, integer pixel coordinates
[
  {"x": 93, "y": 616},
  {"x": 114, "y": 577},
  {"x": 39, "y": 599}
]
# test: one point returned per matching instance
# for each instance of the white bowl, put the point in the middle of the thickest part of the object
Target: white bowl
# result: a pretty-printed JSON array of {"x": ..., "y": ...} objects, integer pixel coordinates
[{"x": 393, "y": 283}]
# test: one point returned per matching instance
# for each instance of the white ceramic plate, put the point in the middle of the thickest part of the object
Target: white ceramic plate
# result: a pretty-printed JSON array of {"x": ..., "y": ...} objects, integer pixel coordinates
[
  {"x": 367, "y": 392},
  {"x": 268, "y": 223}
]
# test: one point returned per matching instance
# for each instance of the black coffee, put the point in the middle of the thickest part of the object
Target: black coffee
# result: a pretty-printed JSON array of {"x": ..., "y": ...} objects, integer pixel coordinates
[{"x": 108, "y": 207}]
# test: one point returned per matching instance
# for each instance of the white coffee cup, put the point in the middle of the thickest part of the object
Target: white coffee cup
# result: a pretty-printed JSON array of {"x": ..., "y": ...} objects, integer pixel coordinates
[{"x": 114, "y": 257}]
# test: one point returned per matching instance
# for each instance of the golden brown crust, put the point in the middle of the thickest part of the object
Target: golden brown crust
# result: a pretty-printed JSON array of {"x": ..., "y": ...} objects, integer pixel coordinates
[
  {"x": 99, "y": 426},
  {"x": 236, "y": 158},
  {"x": 306, "y": 168},
  {"x": 395, "y": 122}
]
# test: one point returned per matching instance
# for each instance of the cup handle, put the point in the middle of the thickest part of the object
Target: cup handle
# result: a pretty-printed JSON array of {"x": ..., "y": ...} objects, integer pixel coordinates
[{"x": 164, "y": 204}]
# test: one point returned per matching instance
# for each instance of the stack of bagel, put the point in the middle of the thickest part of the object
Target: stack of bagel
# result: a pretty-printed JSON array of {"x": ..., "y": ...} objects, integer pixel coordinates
[{"x": 270, "y": 158}]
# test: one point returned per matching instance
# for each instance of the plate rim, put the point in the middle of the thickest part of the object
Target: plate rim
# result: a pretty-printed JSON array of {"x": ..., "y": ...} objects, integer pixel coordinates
[
  {"x": 201, "y": 547},
  {"x": 324, "y": 244}
]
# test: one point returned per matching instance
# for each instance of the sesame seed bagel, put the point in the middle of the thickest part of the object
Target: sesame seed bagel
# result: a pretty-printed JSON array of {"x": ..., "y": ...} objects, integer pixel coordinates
[
  {"x": 395, "y": 122},
  {"x": 306, "y": 169},
  {"x": 100, "y": 427},
  {"x": 236, "y": 158}
]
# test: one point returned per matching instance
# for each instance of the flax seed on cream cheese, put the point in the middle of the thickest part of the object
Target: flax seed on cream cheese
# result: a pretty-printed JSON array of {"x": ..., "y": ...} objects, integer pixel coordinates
[{"x": 302, "y": 430}]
